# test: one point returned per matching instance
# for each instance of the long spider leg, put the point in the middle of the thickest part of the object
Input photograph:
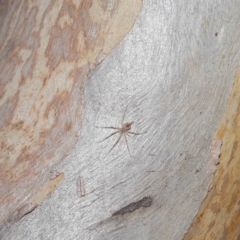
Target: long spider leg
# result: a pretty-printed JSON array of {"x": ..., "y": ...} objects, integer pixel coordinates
[
  {"x": 109, "y": 127},
  {"x": 124, "y": 115},
  {"x": 115, "y": 143},
  {"x": 134, "y": 133},
  {"x": 109, "y": 136},
  {"x": 127, "y": 145}
]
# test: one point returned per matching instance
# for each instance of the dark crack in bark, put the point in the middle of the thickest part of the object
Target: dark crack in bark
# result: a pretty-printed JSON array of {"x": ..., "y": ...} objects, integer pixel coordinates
[{"x": 145, "y": 202}]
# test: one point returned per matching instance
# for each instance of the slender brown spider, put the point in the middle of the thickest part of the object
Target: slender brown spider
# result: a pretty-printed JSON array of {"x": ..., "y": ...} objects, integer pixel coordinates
[{"x": 123, "y": 131}]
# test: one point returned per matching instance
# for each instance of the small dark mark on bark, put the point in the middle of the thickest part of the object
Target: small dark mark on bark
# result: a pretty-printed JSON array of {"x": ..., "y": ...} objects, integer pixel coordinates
[
  {"x": 22, "y": 211},
  {"x": 80, "y": 187},
  {"x": 145, "y": 202},
  {"x": 197, "y": 170}
]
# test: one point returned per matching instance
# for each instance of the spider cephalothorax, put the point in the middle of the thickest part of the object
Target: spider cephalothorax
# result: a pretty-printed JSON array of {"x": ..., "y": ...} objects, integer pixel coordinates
[{"x": 127, "y": 126}]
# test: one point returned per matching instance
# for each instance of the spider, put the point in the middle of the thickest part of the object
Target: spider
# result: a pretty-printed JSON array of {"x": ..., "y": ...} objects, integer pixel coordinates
[{"x": 123, "y": 131}]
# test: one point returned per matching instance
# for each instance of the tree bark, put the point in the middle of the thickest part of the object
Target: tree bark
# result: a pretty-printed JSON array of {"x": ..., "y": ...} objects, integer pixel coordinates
[{"x": 47, "y": 50}]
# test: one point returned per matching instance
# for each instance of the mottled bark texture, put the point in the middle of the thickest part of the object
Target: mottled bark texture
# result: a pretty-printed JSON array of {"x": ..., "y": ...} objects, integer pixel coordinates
[{"x": 46, "y": 51}]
